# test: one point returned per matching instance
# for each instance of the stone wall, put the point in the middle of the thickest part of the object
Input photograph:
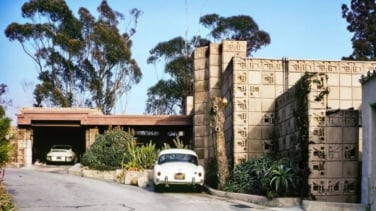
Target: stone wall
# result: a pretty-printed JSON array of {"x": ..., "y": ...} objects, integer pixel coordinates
[{"x": 24, "y": 147}]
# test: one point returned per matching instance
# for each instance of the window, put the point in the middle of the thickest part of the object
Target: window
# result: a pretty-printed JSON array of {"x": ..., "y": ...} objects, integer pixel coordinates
[{"x": 177, "y": 157}]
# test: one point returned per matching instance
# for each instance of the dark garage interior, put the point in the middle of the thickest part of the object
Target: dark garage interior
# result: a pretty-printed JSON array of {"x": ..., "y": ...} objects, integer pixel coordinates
[{"x": 44, "y": 137}]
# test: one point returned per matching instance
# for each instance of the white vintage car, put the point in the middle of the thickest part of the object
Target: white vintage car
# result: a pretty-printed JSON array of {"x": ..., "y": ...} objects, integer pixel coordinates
[
  {"x": 178, "y": 167},
  {"x": 61, "y": 153}
]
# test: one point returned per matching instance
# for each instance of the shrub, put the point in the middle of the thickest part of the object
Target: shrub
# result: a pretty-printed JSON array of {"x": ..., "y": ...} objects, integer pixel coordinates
[
  {"x": 281, "y": 179},
  {"x": 141, "y": 157},
  {"x": 109, "y": 151},
  {"x": 6, "y": 202},
  {"x": 267, "y": 176},
  {"x": 147, "y": 155},
  {"x": 179, "y": 144},
  {"x": 249, "y": 177},
  {"x": 5, "y": 124}
]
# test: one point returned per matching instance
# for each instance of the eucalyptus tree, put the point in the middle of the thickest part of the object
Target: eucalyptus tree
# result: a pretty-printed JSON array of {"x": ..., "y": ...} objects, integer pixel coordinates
[
  {"x": 361, "y": 17},
  {"x": 240, "y": 27},
  {"x": 168, "y": 95},
  {"x": 81, "y": 61}
]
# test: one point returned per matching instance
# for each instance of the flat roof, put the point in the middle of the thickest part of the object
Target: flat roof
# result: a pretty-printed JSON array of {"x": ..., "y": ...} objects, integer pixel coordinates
[{"x": 87, "y": 116}]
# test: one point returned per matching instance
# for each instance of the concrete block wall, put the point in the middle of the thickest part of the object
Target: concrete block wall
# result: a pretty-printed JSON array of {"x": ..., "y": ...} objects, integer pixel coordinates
[
  {"x": 334, "y": 160},
  {"x": 253, "y": 86},
  {"x": 227, "y": 84},
  {"x": 332, "y": 143},
  {"x": 368, "y": 191},
  {"x": 201, "y": 126},
  {"x": 209, "y": 64},
  {"x": 257, "y": 82}
]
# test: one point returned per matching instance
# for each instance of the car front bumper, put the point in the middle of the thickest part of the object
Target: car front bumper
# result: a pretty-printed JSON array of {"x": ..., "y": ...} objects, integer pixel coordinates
[{"x": 60, "y": 158}]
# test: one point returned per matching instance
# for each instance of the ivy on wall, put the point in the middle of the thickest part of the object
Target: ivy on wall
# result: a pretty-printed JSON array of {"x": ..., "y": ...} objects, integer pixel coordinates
[{"x": 299, "y": 145}]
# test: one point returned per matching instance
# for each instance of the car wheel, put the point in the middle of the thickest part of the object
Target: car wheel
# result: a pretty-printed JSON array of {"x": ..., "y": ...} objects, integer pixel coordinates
[
  {"x": 158, "y": 188},
  {"x": 198, "y": 188}
]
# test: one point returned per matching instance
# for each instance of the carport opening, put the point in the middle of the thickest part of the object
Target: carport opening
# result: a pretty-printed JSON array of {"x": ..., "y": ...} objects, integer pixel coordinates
[
  {"x": 44, "y": 137},
  {"x": 159, "y": 135}
]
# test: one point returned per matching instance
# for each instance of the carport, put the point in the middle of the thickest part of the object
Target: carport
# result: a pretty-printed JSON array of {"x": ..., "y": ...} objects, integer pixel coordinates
[
  {"x": 58, "y": 132},
  {"x": 40, "y": 128}
]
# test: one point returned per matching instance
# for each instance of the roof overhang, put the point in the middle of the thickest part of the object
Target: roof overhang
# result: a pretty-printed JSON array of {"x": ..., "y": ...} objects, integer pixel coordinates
[{"x": 82, "y": 117}]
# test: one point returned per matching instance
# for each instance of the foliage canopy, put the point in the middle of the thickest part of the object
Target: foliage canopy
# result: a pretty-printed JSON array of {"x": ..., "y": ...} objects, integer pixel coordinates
[
  {"x": 81, "y": 61},
  {"x": 5, "y": 124},
  {"x": 168, "y": 96},
  {"x": 240, "y": 27},
  {"x": 109, "y": 151},
  {"x": 360, "y": 16}
]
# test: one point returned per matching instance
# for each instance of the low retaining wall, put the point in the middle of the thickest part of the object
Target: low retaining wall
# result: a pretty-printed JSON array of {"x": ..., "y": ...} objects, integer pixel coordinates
[
  {"x": 106, "y": 175},
  {"x": 139, "y": 178},
  {"x": 332, "y": 206}
]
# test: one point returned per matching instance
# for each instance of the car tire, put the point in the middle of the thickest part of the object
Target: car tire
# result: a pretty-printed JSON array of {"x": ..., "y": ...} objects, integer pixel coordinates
[
  {"x": 198, "y": 188},
  {"x": 158, "y": 188}
]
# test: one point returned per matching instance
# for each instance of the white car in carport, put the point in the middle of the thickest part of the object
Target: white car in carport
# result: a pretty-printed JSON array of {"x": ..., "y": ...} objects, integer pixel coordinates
[
  {"x": 61, "y": 154},
  {"x": 178, "y": 167}
]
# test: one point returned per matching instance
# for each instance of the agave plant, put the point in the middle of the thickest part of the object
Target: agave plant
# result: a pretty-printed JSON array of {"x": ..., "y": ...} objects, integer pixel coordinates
[
  {"x": 132, "y": 161},
  {"x": 267, "y": 175},
  {"x": 177, "y": 144},
  {"x": 147, "y": 155},
  {"x": 282, "y": 180},
  {"x": 141, "y": 157}
]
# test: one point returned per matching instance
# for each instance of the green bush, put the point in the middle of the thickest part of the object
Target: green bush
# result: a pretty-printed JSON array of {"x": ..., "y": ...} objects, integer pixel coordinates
[
  {"x": 141, "y": 157},
  {"x": 109, "y": 151},
  {"x": 266, "y": 176},
  {"x": 5, "y": 124},
  {"x": 147, "y": 155}
]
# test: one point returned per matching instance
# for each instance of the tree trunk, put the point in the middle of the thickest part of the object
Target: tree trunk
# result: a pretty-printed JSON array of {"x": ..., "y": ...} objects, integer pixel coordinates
[{"x": 218, "y": 119}]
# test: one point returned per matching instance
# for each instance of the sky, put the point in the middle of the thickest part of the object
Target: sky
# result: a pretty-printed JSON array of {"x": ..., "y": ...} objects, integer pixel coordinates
[{"x": 299, "y": 29}]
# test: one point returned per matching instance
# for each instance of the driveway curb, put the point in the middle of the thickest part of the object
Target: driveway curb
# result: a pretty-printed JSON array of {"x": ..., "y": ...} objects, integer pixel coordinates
[{"x": 290, "y": 203}]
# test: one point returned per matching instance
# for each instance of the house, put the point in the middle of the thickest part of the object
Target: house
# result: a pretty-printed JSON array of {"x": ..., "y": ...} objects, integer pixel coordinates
[{"x": 309, "y": 108}]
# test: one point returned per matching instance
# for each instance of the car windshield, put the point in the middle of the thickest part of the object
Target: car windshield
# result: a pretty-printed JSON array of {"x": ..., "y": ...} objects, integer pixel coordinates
[
  {"x": 57, "y": 148},
  {"x": 177, "y": 157}
]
